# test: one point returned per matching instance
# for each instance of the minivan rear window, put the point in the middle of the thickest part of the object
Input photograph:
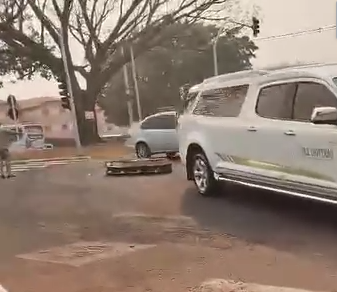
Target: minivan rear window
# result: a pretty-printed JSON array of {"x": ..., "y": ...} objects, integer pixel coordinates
[{"x": 222, "y": 102}]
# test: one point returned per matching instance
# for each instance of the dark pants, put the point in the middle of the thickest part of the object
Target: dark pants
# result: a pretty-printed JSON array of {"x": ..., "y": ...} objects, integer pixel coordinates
[{"x": 5, "y": 162}]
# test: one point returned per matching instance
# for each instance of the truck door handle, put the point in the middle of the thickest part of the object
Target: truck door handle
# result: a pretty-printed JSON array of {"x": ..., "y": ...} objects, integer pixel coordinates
[
  {"x": 251, "y": 129},
  {"x": 290, "y": 133}
]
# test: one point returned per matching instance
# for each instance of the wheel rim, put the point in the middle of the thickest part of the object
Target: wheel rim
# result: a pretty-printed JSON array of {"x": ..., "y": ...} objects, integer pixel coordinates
[
  {"x": 142, "y": 151},
  {"x": 200, "y": 172}
]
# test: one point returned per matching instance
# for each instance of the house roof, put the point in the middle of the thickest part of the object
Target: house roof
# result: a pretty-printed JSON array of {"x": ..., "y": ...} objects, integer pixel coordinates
[
  {"x": 35, "y": 102},
  {"x": 32, "y": 102}
]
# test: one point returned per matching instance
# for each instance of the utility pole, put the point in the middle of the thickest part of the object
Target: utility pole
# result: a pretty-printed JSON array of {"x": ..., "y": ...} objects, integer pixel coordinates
[
  {"x": 127, "y": 90},
  {"x": 215, "y": 52},
  {"x": 215, "y": 58},
  {"x": 135, "y": 81},
  {"x": 70, "y": 90}
]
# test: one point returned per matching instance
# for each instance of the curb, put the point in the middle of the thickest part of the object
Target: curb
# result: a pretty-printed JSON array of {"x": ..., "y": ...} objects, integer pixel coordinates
[
  {"x": 71, "y": 158},
  {"x": 222, "y": 285}
]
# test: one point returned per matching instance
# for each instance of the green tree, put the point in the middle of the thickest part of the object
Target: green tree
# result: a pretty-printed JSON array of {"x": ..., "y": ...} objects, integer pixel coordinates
[
  {"x": 30, "y": 33},
  {"x": 185, "y": 58}
]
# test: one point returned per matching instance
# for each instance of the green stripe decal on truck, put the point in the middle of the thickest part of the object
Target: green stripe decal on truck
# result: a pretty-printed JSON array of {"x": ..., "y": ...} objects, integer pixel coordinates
[{"x": 273, "y": 167}]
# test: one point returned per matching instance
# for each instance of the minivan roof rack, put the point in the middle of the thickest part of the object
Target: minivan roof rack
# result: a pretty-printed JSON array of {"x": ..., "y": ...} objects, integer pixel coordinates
[
  {"x": 300, "y": 66},
  {"x": 236, "y": 75}
]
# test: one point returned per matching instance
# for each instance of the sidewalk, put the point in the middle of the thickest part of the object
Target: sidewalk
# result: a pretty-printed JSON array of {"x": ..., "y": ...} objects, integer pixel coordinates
[{"x": 105, "y": 151}]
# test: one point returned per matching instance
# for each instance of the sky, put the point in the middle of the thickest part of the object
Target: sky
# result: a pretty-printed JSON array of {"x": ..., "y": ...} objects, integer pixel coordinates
[{"x": 277, "y": 17}]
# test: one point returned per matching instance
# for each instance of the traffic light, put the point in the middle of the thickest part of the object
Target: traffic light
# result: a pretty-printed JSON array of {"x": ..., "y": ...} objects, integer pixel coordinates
[
  {"x": 13, "y": 111},
  {"x": 256, "y": 26},
  {"x": 65, "y": 98}
]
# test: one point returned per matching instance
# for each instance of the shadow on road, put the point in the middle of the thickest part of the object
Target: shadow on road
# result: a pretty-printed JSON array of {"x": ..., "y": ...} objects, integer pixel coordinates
[{"x": 279, "y": 221}]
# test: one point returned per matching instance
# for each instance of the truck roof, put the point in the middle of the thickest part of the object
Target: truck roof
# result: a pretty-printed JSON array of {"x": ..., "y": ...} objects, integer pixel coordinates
[{"x": 259, "y": 76}]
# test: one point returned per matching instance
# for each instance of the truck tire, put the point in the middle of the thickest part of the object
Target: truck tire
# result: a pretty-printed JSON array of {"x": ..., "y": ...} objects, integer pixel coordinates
[{"x": 203, "y": 176}]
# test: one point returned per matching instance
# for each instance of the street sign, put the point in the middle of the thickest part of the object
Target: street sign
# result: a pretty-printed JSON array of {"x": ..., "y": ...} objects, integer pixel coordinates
[{"x": 89, "y": 115}]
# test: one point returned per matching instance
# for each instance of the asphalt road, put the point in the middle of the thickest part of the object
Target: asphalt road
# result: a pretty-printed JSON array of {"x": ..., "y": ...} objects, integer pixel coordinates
[{"x": 52, "y": 207}]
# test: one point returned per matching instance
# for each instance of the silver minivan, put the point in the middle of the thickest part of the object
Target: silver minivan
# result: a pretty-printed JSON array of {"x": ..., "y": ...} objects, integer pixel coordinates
[{"x": 154, "y": 135}]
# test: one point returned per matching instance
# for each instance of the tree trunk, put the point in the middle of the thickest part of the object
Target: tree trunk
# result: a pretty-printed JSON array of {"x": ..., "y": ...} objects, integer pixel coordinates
[{"x": 84, "y": 102}]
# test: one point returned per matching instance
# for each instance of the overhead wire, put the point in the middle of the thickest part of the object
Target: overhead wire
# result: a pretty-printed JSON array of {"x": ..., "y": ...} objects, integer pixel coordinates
[{"x": 298, "y": 33}]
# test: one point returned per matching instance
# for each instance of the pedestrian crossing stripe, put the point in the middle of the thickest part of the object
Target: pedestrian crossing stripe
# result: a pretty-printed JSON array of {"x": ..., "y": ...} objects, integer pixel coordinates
[
  {"x": 25, "y": 168},
  {"x": 59, "y": 162},
  {"x": 30, "y": 165}
]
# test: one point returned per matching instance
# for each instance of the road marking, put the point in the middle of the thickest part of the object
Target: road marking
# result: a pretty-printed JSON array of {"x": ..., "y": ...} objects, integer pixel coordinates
[
  {"x": 26, "y": 167},
  {"x": 58, "y": 162},
  {"x": 39, "y": 164},
  {"x": 81, "y": 253},
  {"x": 222, "y": 285}
]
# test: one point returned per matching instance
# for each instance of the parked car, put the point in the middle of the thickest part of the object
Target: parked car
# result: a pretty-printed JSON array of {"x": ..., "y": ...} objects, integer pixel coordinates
[
  {"x": 273, "y": 130},
  {"x": 155, "y": 134}
]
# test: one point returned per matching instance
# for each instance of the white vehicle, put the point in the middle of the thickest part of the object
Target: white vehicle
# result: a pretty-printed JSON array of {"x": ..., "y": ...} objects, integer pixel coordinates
[
  {"x": 155, "y": 134},
  {"x": 273, "y": 130},
  {"x": 31, "y": 136}
]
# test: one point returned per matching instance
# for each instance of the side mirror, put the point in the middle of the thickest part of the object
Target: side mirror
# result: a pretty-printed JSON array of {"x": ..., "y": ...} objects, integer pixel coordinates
[{"x": 324, "y": 115}]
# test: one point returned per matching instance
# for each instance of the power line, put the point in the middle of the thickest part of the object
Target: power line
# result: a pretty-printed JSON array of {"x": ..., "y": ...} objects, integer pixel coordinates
[{"x": 298, "y": 33}]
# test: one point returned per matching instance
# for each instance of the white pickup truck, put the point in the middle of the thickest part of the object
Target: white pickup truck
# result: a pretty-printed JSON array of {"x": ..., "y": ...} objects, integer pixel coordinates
[{"x": 274, "y": 130}]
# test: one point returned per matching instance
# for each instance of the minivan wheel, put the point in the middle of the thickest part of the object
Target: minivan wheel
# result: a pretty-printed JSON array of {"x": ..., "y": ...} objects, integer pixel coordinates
[
  {"x": 142, "y": 150},
  {"x": 203, "y": 176}
]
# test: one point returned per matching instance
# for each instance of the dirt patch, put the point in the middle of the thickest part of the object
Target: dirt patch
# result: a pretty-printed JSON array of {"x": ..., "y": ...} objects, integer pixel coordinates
[
  {"x": 81, "y": 253},
  {"x": 167, "y": 223},
  {"x": 222, "y": 285},
  {"x": 106, "y": 151},
  {"x": 175, "y": 229}
]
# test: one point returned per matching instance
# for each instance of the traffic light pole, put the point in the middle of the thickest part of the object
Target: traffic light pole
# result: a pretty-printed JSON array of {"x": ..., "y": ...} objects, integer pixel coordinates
[{"x": 70, "y": 90}]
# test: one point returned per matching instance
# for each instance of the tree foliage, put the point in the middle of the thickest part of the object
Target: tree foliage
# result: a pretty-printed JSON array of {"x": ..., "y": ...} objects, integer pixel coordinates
[
  {"x": 186, "y": 58},
  {"x": 30, "y": 38}
]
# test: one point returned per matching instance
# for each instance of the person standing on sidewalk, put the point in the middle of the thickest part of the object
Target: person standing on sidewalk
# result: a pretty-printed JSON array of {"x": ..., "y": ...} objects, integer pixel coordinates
[{"x": 7, "y": 137}]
